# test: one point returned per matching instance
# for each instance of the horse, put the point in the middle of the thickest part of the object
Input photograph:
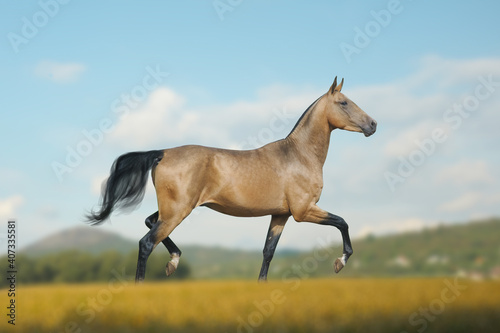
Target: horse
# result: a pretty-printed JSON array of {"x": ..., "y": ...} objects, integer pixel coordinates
[{"x": 282, "y": 179}]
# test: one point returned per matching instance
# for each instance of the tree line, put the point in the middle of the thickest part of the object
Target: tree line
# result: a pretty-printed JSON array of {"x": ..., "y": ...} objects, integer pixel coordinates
[{"x": 79, "y": 267}]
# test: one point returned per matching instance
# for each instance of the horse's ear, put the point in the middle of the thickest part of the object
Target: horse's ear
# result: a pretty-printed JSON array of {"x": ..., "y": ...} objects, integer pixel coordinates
[
  {"x": 339, "y": 87},
  {"x": 334, "y": 85}
]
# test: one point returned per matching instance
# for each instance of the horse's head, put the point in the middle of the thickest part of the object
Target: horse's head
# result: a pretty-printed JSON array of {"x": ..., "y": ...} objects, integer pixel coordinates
[{"x": 345, "y": 114}]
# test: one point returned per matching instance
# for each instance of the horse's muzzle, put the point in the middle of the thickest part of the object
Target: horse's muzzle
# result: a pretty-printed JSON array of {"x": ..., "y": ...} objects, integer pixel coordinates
[{"x": 370, "y": 128}]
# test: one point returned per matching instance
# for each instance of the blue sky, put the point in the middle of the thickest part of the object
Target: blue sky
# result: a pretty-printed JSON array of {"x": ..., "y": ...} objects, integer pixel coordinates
[{"x": 104, "y": 78}]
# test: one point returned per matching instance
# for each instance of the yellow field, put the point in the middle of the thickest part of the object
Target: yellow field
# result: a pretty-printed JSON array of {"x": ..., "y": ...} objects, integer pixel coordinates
[{"x": 326, "y": 305}]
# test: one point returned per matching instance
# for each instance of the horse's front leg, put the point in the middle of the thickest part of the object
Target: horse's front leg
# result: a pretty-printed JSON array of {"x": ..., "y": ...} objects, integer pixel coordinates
[
  {"x": 273, "y": 236},
  {"x": 314, "y": 214}
]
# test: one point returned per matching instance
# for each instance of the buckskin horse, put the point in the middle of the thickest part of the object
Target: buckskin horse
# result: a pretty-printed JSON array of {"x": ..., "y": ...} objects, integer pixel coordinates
[{"x": 282, "y": 179}]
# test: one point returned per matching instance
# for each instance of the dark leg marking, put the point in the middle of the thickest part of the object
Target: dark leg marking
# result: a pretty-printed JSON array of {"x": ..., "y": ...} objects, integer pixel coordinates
[
  {"x": 146, "y": 246},
  {"x": 175, "y": 252},
  {"x": 273, "y": 236},
  {"x": 340, "y": 224}
]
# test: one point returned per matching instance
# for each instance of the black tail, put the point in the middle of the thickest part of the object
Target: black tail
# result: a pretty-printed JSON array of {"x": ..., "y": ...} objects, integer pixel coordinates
[{"x": 126, "y": 184}]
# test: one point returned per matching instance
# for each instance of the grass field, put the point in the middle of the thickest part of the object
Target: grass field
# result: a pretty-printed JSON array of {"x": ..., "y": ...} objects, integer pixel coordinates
[{"x": 325, "y": 305}]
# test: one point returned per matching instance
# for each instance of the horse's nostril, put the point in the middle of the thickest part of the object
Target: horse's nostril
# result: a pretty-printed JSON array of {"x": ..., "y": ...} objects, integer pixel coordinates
[{"x": 373, "y": 123}]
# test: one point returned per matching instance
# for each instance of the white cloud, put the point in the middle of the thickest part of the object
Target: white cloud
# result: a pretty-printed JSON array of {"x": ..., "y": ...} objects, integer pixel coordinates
[
  {"x": 467, "y": 201},
  {"x": 462, "y": 203},
  {"x": 396, "y": 226},
  {"x": 162, "y": 118},
  {"x": 9, "y": 206},
  {"x": 443, "y": 72},
  {"x": 48, "y": 212},
  {"x": 427, "y": 93},
  {"x": 409, "y": 109},
  {"x": 411, "y": 137},
  {"x": 466, "y": 172},
  {"x": 165, "y": 120},
  {"x": 59, "y": 72}
]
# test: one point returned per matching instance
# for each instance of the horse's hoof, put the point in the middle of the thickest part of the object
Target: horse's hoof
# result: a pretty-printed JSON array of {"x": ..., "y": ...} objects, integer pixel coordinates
[
  {"x": 170, "y": 269},
  {"x": 338, "y": 265},
  {"x": 172, "y": 264}
]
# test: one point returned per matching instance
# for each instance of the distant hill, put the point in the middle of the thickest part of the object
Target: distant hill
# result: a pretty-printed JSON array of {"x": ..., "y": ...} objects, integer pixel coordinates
[
  {"x": 210, "y": 262},
  {"x": 85, "y": 239},
  {"x": 219, "y": 262},
  {"x": 471, "y": 249}
]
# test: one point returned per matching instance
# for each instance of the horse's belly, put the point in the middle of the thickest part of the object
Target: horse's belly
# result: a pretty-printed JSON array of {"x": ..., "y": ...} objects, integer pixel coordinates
[
  {"x": 248, "y": 201},
  {"x": 246, "y": 210}
]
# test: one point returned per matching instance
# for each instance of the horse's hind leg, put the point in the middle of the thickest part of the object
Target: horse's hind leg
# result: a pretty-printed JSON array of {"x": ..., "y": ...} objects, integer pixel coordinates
[
  {"x": 273, "y": 236},
  {"x": 146, "y": 246},
  {"x": 175, "y": 252},
  {"x": 158, "y": 232}
]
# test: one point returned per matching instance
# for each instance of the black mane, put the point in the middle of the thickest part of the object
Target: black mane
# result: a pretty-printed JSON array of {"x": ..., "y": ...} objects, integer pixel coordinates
[{"x": 302, "y": 117}]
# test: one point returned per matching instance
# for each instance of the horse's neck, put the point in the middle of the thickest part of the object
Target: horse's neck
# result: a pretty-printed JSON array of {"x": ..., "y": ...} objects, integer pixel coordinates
[{"x": 312, "y": 136}]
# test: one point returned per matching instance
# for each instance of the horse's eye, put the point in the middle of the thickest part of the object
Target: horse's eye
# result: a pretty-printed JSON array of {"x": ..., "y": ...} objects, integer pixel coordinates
[{"x": 343, "y": 103}]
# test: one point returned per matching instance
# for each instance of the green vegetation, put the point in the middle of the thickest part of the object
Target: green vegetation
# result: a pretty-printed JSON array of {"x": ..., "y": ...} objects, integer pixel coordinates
[
  {"x": 470, "y": 250},
  {"x": 75, "y": 267},
  {"x": 466, "y": 249}
]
